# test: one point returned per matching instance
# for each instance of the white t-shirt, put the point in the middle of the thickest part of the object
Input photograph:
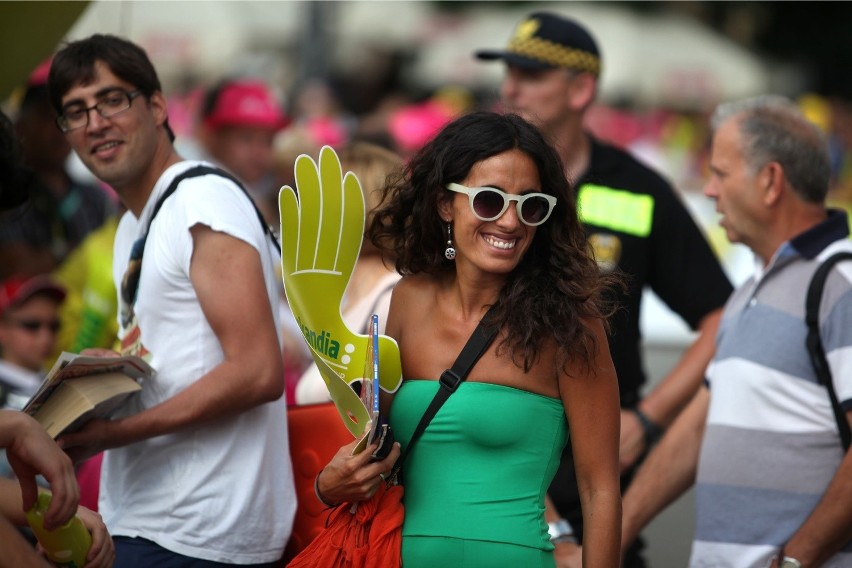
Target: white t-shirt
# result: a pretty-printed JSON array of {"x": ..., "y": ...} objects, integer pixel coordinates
[{"x": 223, "y": 491}]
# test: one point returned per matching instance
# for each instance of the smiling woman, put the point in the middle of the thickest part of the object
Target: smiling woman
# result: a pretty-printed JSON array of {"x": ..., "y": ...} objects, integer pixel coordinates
[
  {"x": 504, "y": 231},
  {"x": 527, "y": 267}
]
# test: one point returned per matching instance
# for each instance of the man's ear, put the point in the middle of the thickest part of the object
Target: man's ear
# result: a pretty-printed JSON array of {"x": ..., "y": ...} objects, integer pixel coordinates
[
  {"x": 582, "y": 90},
  {"x": 159, "y": 107},
  {"x": 772, "y": 182}
]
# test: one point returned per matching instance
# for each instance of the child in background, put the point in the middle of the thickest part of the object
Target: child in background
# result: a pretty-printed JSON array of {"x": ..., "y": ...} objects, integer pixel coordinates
[{"x": 29, "y": 323}]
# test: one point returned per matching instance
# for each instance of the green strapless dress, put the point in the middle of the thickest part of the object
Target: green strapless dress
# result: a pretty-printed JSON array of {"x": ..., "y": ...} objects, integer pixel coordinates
[{"x": 475, "y": 482}]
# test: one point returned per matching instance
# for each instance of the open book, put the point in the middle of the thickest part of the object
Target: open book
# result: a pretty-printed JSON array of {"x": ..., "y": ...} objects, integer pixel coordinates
[{"x": 79, "y": 388}]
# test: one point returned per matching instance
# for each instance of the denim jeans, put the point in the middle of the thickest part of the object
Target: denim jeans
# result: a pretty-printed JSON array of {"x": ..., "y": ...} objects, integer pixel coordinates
[{"x": 142, "y": 553}]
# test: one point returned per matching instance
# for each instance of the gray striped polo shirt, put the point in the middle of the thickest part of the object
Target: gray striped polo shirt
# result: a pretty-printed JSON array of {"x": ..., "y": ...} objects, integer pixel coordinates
[{"x": 771, "y": 445}]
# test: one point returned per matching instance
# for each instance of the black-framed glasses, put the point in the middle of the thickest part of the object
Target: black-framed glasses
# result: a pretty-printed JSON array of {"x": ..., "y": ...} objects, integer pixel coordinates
[
  {"x": 489, "y": 203},
  {"x": 34, "y": 325},
  {"x": 116, "y": 101}
]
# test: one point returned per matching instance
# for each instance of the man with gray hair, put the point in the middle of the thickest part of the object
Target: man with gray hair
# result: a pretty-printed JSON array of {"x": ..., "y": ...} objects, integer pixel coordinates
[{"x": 761, "y": 440}]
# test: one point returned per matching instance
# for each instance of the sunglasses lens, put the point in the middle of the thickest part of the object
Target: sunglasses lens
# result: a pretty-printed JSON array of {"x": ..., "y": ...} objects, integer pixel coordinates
[
  {"x": 534, "y": 209},
  {"x": 488, "y": 204}
]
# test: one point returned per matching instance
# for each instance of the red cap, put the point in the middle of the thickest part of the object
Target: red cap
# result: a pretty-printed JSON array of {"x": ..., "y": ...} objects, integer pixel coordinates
[
  {"x": 38, "y": 77},
  {"x": 17, "y": 289},
  {"x": 246, "y": 103}
]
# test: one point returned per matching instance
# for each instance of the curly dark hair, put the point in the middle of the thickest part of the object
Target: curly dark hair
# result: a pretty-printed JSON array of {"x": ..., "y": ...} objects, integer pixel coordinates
[{"x": 557, "y": 284}]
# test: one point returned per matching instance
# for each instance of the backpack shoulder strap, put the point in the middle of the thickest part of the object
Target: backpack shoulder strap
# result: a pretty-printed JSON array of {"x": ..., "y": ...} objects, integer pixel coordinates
[
  {"x": 131, "y": 279},
  {"x": 814, "y": 341},
  {"x": 202, "y": 170}
]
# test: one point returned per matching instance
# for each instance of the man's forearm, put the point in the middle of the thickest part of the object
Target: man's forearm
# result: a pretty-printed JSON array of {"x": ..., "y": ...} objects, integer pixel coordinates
[
  {"x": 676, "y": 389},
  {"x": 668, "y": 471}
]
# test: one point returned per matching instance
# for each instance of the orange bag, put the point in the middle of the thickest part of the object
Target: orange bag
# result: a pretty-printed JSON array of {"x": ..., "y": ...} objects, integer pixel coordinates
[
  {"x": 316, "y": 433},
  {"x": 367, "y": 534}
]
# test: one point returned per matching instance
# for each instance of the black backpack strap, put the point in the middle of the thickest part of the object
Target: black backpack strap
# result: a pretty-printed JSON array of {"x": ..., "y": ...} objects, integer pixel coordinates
[
  {"x": 131, "y": 279},
  {"x": 814, "y": 341},
  {"x": 450, "y": 380},
  {"x": 203, "y": 171}
]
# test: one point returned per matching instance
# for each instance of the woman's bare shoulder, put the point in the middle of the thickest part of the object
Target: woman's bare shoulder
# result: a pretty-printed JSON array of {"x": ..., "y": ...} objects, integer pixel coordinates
[{"x": 416, "y": 288}]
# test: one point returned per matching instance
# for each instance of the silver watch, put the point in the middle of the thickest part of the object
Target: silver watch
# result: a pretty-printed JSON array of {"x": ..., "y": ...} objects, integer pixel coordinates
[
  {"x": 789, "y": 562},
  {"x": 561, "y": 531}
]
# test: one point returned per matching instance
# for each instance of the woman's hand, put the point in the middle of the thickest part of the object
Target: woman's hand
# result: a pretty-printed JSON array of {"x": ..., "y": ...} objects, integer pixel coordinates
[{"x": 354, "y": 478}]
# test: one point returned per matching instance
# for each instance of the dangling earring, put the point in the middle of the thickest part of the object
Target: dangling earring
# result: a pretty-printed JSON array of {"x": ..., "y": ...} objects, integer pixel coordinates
[{"x": 450, "y": 253}]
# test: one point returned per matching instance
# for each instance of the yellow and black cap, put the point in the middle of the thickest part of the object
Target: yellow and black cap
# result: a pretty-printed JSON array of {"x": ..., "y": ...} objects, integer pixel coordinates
[{"x": 544, "y": 40}]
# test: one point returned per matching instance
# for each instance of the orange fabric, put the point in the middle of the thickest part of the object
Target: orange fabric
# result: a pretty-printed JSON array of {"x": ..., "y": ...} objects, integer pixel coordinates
[
  {"x": 316, "y": 432},
  {"x": 369, "y": 537}
]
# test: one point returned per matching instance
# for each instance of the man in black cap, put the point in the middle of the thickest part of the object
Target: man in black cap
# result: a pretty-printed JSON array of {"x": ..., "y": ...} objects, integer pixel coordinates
[{"x": 636, "y": 224}]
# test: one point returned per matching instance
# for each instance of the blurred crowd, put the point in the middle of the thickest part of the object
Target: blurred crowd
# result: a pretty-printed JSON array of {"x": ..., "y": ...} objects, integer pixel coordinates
[
  {"x": 57, "y": 290},
  {"x": 251, "y": 128}
]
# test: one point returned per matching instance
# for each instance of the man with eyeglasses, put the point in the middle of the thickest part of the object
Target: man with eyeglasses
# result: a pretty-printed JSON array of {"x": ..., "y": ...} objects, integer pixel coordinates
[
  {"x": 196, "y": 471},
  {"x": 636, "y": 224}
]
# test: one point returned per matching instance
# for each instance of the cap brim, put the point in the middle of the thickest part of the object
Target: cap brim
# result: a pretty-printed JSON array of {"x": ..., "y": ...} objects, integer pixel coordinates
[
  {"x": 39, "y": 285},
  {"x": 36, "y": 285},
  {"x": 512, "y": 59}
]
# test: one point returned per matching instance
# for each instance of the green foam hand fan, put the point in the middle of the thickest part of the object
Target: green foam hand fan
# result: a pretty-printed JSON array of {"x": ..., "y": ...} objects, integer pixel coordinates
[{"x": 322, "y": 228}]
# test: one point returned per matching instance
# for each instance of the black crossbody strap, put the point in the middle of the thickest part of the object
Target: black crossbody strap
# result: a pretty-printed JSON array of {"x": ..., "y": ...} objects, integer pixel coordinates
[
  {"x": 450, "y": 380},
  {"x": 128, "y": 291},
  {"x": 814, "y": 342},
  {"x": 203, "y": 171}
]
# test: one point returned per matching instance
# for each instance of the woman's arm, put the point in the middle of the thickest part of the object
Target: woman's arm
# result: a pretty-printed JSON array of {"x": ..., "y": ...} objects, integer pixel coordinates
[{"x": 590, "y": 397}]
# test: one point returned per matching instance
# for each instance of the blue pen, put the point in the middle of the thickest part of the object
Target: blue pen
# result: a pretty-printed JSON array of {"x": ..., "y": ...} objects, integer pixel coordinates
[{"x": 375, "y": 333}]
